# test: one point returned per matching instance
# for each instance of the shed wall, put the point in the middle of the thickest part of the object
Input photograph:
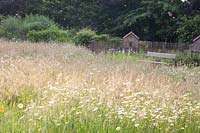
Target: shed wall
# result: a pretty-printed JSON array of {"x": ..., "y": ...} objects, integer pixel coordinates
[
  {"x": 129, "y": 39},
  {"x": 196, "y": 46}
]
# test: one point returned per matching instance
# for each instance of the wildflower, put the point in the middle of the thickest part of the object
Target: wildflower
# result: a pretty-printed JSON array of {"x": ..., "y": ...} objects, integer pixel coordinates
[
  {"x": 133, "y": 120},
  {"x": 118, "y": 128},
  {"x": 36, "y": 114},
  {"x": 58, "y": 124},
  {"x": 182, "y": 128},
  {"x": 1, "y": 109},
  {"x": 155, "y": 124},
  {"x": 62, "y": 116},
  {"x": 21, "y": 117},
  {"x": 95, "y": 109},
  {"x": 138, "y": 80},
  {"x": 137, "y": 125},
  {"x": 20, "y": 106},
  {"x": 78, "y": 113},
  {"x": 40, "y": 118}
]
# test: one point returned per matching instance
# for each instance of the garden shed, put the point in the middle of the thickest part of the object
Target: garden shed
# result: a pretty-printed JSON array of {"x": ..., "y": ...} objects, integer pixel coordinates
[
  {"x": 131, "y": 41},
  {"x": 196, "y": 44}
]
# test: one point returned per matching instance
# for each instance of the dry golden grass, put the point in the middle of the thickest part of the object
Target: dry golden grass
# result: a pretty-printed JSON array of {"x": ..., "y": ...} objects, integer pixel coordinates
[
  {"x": 38, "y": 65},
  {"x": 70, "y": 79}
]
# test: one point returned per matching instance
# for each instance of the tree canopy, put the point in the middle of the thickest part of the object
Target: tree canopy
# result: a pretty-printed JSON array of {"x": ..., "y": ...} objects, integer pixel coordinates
[{"x": 155, "y": 20}]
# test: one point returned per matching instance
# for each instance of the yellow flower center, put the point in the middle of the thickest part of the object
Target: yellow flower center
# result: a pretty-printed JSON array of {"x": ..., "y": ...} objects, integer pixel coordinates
[{"x": 1, "y": 108}]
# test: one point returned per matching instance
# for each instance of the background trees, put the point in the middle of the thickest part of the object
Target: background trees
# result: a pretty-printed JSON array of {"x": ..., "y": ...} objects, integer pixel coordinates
[
  {"x": 12, "y": 7},
  {"x": 155, "y": 20}
]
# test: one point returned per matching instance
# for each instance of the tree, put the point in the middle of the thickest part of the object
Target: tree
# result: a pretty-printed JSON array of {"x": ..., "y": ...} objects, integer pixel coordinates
[
  {"x": 12, "y": 7},
  {"x": 189, "y": 29},
  {"x": 72, "y": 13},
  {"x": 152, "y": 20},
  {"x": 191, "y": 7}
]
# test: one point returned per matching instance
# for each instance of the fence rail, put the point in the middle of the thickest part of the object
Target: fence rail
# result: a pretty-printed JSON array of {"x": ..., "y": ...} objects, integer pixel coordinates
[
  {"x": 144, "y": 46},
  {"x": 164, "y": 46}
]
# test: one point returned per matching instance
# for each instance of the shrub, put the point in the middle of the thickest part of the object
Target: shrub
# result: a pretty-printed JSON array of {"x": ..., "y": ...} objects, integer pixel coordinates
[
  {"x": 2, "y": 17},
  {"x": 18, "y": 28},
  {"x": 84, "y": 36},
  {"x": 1, "y": 30},
  {"x": 102, "y": 37},
  {"x": 49, "y": 35},
  {"x": 189, "y": 59},
  {"x": 11, "y": 27},
  {"x": 37, "y": 23},
  {"x": 189, "y": 28}
]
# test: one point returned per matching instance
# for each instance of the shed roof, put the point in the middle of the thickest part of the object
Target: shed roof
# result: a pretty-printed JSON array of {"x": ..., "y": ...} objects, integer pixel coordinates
[
  {"x": 131, "y": 33},
  {"x": 197, "y": 38}
]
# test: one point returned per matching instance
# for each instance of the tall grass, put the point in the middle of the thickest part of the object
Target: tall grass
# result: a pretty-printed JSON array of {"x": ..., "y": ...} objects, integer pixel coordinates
[{"x": 62, "y": 88}]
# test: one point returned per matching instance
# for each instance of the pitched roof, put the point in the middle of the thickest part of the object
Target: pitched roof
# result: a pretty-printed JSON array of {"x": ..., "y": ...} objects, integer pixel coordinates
[
  {"x": 197, "y": 38},
  {"x": 131, "y": 33}
]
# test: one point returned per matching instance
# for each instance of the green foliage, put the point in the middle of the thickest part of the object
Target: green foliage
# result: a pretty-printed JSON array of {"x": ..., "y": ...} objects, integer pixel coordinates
[
  {"x": 2, "y": 17},
  {"x": 36, "y": 23},
  {"x": 189, "y": 29},
  {"x": 154, "y": 20},
  {"x": 1, "y": 30},
  {"x": 35, "y": 28},
  {"x": 50, "y": 35},
  {"x": 102, "y": 37},
  {"x": 189, "y": 59},
  {"x": 18, "y": 28},
  {"x": 11, "y": 27},
  {"x": 84, "y": 36},
  {"x": 12, "y": 7},
  {"x": 116, "y": 40}
]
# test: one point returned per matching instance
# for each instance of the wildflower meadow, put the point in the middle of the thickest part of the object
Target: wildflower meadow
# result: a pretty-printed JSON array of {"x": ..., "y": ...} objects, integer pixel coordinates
[{"x": 60, "y": 88}]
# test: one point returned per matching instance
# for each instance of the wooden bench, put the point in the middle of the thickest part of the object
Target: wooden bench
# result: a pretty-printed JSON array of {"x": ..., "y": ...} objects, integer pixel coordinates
[{"x": 160, "y": 55}]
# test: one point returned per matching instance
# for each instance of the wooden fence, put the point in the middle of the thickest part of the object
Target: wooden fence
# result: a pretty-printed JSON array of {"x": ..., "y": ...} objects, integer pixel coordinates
[
  {"x": 101, "y": 46},
  {"x": 144, "y": 46},
  {"x": 164, "y": 47}
]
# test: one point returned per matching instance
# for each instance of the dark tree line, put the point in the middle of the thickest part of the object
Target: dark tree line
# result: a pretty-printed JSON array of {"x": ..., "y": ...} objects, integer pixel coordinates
[
  {"x": 12, "y": 7},
  {"x": 155, "y": 20}
]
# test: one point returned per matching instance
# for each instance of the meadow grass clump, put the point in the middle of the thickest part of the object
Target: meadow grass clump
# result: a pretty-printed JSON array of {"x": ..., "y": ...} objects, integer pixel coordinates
[{"x": 63, "y": 88}]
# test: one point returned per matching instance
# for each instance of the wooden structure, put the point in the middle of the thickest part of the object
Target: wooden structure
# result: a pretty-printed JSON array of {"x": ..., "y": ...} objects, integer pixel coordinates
[
  {"x": 196, "y": 45},
  {"x": 103, "y": 46},
  {"x": 160, "y": 55},
  {"x": 131, "y": 42},
  {"x": 163, "y": 47}
]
